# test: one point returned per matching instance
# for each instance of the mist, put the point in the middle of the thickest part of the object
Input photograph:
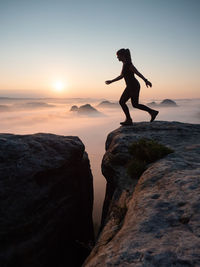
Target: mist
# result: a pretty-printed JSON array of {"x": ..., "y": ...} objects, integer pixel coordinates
[{"x": 28, "y": 116}]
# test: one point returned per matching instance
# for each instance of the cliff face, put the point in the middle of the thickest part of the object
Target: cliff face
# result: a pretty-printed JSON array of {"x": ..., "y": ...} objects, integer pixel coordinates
[
  {"x": 46, "y": 192},
  {"x": 151, "y": 220}
]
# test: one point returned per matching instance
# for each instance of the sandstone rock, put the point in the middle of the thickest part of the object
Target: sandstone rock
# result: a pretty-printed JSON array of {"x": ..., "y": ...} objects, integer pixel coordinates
[
  {"x": 74, "y": 108},
  {"x": 152, "y": 104},
  {"x": 34, "y": 105},
  {"x": 88, "y": 110},
  {"x": 153, "y": 220},
  {"x": 163, "y": 103},
  {"x": 4, "y": 108},
  {"x": 168, "y": 102},
  {"x": 46, "y": 195},
  {"x": 108, "y": 104}
]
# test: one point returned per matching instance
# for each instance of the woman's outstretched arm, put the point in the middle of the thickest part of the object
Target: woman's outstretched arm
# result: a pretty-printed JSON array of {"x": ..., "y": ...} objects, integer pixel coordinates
[
  {"x": 148, "y": 83},
  {"x": 114, "y": 80}
]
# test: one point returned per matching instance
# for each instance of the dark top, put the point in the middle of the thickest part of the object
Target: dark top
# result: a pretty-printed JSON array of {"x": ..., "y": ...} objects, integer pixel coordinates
[{"x": 129, "y": 76}]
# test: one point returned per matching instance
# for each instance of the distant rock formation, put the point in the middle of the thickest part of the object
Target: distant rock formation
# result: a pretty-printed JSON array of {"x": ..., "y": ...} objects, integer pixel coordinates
[
  {"x": 86, "y": 110},
  {"x": 151, "y": 220},
  {"x": 74, "y": 108},
  {"x": 34, "y": 105},
  {"x": 4, "y": 108},
  {"x": 164, "y": 103},
  {"x": 108, "y": 104},
  {"x": 168, "y": 102},
  {"x": 152, "y": 104},
  {"x": 46, "y": 193}
]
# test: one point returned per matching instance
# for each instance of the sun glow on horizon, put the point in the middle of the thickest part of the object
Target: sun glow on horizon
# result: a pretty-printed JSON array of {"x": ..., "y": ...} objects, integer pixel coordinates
[{"x": 59, "y": 86}]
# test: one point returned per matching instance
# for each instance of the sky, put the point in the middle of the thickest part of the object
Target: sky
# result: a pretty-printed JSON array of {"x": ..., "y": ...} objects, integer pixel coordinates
[{"x": 67, "y": 48}]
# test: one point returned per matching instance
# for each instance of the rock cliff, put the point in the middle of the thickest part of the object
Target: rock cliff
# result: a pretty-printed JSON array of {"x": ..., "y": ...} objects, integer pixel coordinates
[
  {"x": 46, "y": 194},
  {"x": 151, "y": 220}
]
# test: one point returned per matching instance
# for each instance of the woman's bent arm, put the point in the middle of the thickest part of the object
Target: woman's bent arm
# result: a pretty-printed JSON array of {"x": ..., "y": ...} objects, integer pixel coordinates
[
  {"x": 114, "y": 80},
  {"x": 133, "y": 68}
]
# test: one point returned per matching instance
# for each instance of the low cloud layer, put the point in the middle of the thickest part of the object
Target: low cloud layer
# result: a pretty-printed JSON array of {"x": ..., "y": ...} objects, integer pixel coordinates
[{"x": 55, "y": 117}]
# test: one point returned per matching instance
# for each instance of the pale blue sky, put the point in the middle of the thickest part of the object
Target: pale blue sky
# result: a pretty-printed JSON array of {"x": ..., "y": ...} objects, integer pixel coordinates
[{"x": 76, "y": 41}]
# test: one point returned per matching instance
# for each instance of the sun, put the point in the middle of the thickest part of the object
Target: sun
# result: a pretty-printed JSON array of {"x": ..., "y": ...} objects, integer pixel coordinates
[{"x": 59, "y": 86}]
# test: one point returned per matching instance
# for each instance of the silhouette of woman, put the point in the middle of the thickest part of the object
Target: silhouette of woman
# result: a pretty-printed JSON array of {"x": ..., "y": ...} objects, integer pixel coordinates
[{"x": 132, "y": 86}]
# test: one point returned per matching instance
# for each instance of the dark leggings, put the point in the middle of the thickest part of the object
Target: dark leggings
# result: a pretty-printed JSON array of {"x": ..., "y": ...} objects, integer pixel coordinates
[{"x": 133, "y": 94}]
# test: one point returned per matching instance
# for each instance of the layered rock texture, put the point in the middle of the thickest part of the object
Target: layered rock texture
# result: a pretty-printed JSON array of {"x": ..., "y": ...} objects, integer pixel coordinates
[
  {"x": 46, "y": 194},
  {"x": 154, "y": 219}
]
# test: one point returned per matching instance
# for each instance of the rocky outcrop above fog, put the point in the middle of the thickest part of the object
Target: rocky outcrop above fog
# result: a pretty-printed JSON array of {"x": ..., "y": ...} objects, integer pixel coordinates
[
  {"x": 153, "y": 220},
  {"x": 32, "y": 105},
  {"x": 74, "y": 108},
  {"x": 163, "y": 103},
  {"x": 86, "y": 110},
  {"x": 46, "y": 193},
  {"x": 108, "y": 104},
  {"x": 4, "y": 108}
]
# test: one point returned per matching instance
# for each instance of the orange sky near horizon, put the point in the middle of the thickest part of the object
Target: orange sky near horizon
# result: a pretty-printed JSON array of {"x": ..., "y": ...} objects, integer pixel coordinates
[
  {"x": 75, "y": 44},
  {"x": 87, "y": 86}
]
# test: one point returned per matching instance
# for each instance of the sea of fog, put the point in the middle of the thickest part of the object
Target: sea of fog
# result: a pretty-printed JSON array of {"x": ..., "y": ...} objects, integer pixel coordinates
[{"x": 28, "y": 116}]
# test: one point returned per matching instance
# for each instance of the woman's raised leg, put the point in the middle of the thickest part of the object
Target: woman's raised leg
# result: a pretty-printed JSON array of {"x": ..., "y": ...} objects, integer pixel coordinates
[{"x": 135, "y": 104}]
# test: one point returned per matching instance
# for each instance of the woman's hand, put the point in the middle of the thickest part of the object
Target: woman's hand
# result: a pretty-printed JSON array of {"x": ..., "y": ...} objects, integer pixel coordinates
[
  {"x": 114, "y": 80},
  {"x": 148, "y": 83},
  {"x": 108, "y": 82}
]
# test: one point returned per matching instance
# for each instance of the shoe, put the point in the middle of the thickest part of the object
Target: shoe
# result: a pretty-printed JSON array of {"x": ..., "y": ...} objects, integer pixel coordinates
[
  {"x": 153, "y": 115},
  {"x": 126, "y": 122}
]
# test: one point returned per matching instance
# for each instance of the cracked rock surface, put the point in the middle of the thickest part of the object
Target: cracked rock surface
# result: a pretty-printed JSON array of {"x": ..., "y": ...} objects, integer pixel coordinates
[
  {"x": 153, "y": 220},
  {"x": 46, "y": 196}
]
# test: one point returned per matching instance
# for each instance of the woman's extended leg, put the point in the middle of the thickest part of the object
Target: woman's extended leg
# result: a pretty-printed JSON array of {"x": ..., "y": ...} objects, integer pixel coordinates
[
  {"x": 135, "y": 104},
  {"x": 123, "y": 99}
]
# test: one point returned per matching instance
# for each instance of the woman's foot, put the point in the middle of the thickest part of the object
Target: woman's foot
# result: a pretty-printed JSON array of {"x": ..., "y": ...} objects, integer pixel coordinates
[
  {"x": 127, "y": 122},
  {"x": 153, "y": 114}
]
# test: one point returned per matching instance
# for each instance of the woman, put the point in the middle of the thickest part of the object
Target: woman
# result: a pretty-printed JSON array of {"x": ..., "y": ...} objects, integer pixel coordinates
[{"x": 132, "y": 86}]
